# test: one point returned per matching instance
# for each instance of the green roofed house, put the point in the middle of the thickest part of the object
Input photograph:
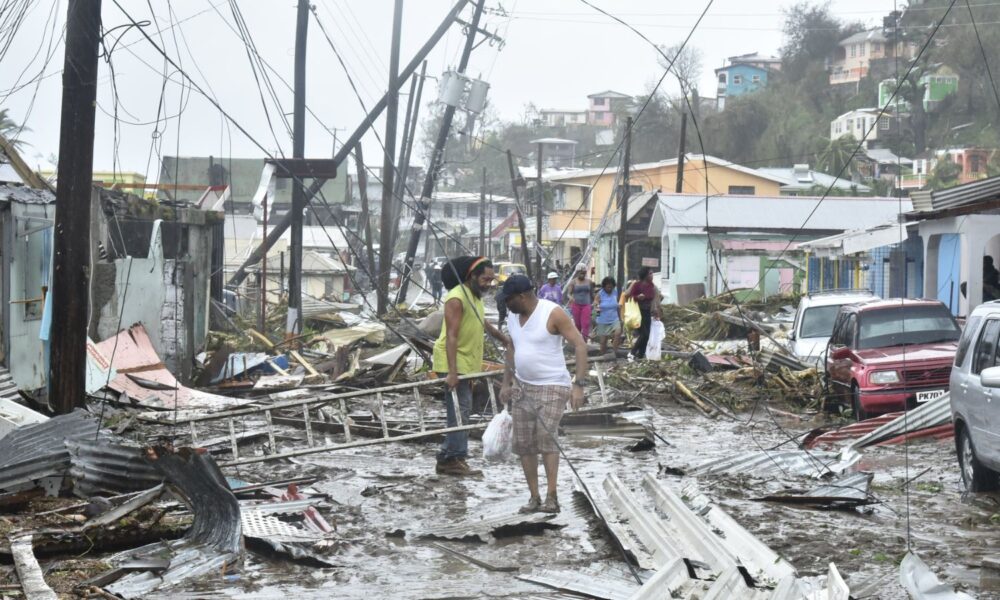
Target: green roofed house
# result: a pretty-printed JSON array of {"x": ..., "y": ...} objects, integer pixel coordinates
[{"x": 937, "y": 86}]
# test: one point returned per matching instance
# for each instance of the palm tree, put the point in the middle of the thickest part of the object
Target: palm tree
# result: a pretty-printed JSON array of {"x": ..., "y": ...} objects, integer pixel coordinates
[
  {"x": 837, "y": 154},
  {"x": 10, "y": 130}
]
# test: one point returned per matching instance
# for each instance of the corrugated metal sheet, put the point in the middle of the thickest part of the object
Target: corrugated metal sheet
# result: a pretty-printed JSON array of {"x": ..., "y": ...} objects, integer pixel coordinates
[
  {"x": 105, "y": 466},
  {"x": 36, "y": 451},
  {"x": 776, "y": 462},
  {"x": 215, "y": 539},
  {"x": 966, "y": 194},
  {"x": 484, "y": 528},
  {"x": 922, "y": 584},
  {"x": 931, "y": 414},
  {"x": 848, "y": 491},
  {"x": 589, "y": 582},
  {"x": 848, "y": 432}
]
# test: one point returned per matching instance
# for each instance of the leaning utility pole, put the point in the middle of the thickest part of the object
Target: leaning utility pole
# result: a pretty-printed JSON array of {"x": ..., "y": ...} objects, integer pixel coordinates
[
  {"x": 520, "y": 214},
  {"x": 482, "y": 216},
  {"x": 71, "y": 261},
  {"x": 539, "y": 211},
  {"x": 389, "y": 197},
  {"x": 293, "y": 324},
  {"x": 680, "y": 154},
  {"x": 623, "y": 203},
  {"x": 282, "y": 225},
  {"x": 365, "y": 221},
  {"x": 424, "y": 202}
]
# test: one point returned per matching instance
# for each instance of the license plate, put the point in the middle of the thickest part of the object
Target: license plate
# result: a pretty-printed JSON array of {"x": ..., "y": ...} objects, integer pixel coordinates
[{"x": 930, "y": 395}]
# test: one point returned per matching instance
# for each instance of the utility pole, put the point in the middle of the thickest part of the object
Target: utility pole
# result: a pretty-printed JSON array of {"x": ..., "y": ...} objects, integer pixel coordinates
[
  {"x": 680, "y": 154},
  {"x": 489, "y": 252},
  {"x": 520, "y": 214},
  {"x": 366, "y": 222},
  {"x": 388, "y": 168},
  {"x": 71, "y": 261},
  {"x": 406, "y": 151},
  {"x": 539, "y": 211},
  {"x": 482, "y": 216},
  {"x": 293, "y": 324},
  {"x": 623, "y": 203},
  {"x": 423, "y": 203},
  {"x": 373, "y": 114}
]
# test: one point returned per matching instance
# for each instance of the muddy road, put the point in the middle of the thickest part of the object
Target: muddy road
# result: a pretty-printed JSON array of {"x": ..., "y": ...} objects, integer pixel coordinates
[{"x": 384, "y": 497}]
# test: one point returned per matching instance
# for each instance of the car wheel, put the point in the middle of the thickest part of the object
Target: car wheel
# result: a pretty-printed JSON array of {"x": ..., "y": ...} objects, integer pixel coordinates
[
  {"x": 859, "y": 412},
  {"x": 975, "y": 476}
]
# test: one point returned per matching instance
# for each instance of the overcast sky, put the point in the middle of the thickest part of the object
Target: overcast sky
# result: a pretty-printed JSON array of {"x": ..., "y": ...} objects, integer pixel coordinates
[{"x": 556, "y": 52}]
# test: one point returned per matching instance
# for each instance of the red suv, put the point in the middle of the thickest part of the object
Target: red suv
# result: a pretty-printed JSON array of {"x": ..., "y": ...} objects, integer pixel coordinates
[{"x": 889, "y": 355}]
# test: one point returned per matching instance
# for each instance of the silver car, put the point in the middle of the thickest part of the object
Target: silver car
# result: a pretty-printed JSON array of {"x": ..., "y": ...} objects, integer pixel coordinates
[
  {"x": 814, "y": 322},
  {"x": 975, "y": 399}
]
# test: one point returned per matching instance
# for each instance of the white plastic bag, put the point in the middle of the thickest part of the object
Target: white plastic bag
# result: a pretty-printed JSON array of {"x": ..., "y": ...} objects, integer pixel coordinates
[
  {"x": 498, "y": 436},
  {"x": 656, "y": 335}
]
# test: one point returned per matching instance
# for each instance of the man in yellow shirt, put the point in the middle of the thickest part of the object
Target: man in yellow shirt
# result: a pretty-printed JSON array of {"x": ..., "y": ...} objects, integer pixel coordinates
[{"x": 459, "y": 351}]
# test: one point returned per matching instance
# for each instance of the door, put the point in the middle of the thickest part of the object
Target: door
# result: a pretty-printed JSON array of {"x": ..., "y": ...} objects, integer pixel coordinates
[
  {"x": 839, "y": 355},
  {"x": 979, "y": 401}
]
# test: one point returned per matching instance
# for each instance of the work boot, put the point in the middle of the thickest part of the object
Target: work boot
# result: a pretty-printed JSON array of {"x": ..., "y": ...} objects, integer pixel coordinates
[
  {"x": 551, "y": 505},
  {"x": 457, "y": 467}
]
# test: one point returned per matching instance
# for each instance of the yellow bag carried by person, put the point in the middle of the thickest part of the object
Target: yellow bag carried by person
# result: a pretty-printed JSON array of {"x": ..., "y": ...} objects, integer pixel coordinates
[{"x": 633, "y": 318}]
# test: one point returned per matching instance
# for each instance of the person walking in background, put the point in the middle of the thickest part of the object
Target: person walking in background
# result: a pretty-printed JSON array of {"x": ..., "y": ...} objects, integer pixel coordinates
[
  {"x": 459, "y": 351},
  {"x": 645, "y": 294},
  {"x": 551, "y": 291},
  {"x": 582, "y": 295},
  {"x": 437, "y": 285},
  {"x": 609, "y": 318}
]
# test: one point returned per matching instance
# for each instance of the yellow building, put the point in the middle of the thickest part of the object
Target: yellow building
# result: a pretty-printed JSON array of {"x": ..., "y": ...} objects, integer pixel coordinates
[{"x": 582, "y": 198}]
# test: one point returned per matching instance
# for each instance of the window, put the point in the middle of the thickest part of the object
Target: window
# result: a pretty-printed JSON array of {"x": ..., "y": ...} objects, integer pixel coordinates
[
  {"x": 35, "y": 274},
  {"x": 974, "y": 163},
  {"x": 743, "y": 190},
  {"x": 863, "y": 49},
  {"x": 599, "y": 115},
  {"x": 854, "y": 50},
  {"x": 818, "y": 321},
  {"x": 471, "y": 210},
  {"x": 985, "y": 356},
  {"x": 447, "y": 209},
  {"x": 600, "y": 101},
  {"x": 883, "y": 123},
  {"x": 502, "y": 210},
  {"x": 876, "y": 48},
  {"x": 906, "y": 326},
  {"x": 963, "y": 347},
  {"x": 722, "y": 78},
  {"x": 755, "y": 79},
  {"x": 737, "y": 80}
]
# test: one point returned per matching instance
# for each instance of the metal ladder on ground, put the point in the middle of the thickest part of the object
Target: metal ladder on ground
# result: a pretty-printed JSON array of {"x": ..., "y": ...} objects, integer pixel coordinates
[{"x": 328, "y": 412}]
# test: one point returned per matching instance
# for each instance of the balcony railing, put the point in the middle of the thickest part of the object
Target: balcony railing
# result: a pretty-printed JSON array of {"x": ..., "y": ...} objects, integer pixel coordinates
[{"x": 912, "y": 181}]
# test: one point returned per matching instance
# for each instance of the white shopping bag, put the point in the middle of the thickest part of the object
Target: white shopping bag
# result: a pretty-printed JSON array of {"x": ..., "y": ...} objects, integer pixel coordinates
[
  {"x": 656, "y": 335},
  {"x": 498, "y": 436}
]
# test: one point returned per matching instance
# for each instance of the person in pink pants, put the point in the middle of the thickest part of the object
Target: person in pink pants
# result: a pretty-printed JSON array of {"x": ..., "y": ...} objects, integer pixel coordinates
[{"x": 581, "y": 299}]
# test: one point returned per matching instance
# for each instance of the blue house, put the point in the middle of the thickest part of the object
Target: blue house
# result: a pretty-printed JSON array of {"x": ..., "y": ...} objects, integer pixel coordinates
[{"x": 743, "y": 75}]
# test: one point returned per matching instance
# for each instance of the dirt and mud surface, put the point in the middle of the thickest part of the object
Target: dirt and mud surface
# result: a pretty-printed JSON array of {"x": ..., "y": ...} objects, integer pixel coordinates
[{"x": 383, "y": 498}]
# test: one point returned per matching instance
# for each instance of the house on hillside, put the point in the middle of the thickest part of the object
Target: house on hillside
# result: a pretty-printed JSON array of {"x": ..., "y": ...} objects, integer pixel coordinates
[
  {"x": 603, "y": 106},
  {"x": 882, "y": 164},
  {"x": 856, "y": 54},
  {"x": 553, "y": 117},
  {"x": 748, "y": 242},
  {"x": 743, "y": 75},
  {"x": 937, "y": 86},
  {"x": 972, "y": 163},
  {"x": 857, "y": 123},
  {"x": 803, "y": 181}
]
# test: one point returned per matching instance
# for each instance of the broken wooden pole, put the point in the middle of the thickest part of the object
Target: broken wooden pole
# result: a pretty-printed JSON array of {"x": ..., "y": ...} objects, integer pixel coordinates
[{"x": 32, "y": 581}]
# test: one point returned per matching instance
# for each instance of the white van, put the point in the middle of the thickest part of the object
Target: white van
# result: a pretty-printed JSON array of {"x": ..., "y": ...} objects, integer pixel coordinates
[{"x": 814, "y": 320}]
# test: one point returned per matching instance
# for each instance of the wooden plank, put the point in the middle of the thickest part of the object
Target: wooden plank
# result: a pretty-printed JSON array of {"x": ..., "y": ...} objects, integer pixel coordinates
[
  {"x": 28, "y": 571},
  {"x": 305, "y": 363},
  {"x": 260, "y": 337}
]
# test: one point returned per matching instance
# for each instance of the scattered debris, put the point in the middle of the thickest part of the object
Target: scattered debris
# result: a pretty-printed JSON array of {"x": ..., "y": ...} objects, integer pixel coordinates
[
  {"x": 492, "y": 526},
  {"x": 850, "y": 491},
  {"x": 766, "y": 463},
  {"x": 32, "y": 581},
  {"x": 922, "y": 584}
]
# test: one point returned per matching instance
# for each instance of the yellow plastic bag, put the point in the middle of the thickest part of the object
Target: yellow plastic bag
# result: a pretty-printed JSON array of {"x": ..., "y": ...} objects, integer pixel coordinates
[{"x": 633, "y": 318}]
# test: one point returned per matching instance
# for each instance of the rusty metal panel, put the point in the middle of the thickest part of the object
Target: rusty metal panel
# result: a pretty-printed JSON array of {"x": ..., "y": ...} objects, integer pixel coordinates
[{"x": 105, "y": 466}]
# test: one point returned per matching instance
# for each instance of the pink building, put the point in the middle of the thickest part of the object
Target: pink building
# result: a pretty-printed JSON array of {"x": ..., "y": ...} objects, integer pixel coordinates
[{"x": 601, "y": 108}]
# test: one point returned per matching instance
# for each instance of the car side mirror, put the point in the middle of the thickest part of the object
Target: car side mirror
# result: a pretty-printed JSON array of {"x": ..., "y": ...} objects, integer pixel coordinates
[
  {"x": 840, "y": 352},
  {"x": 791, "y": 336},
  {"x": 990, "y": 377}
]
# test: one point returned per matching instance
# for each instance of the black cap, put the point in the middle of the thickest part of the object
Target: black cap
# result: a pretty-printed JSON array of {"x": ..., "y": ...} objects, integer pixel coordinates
[{"x": 515, "y": 284}]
